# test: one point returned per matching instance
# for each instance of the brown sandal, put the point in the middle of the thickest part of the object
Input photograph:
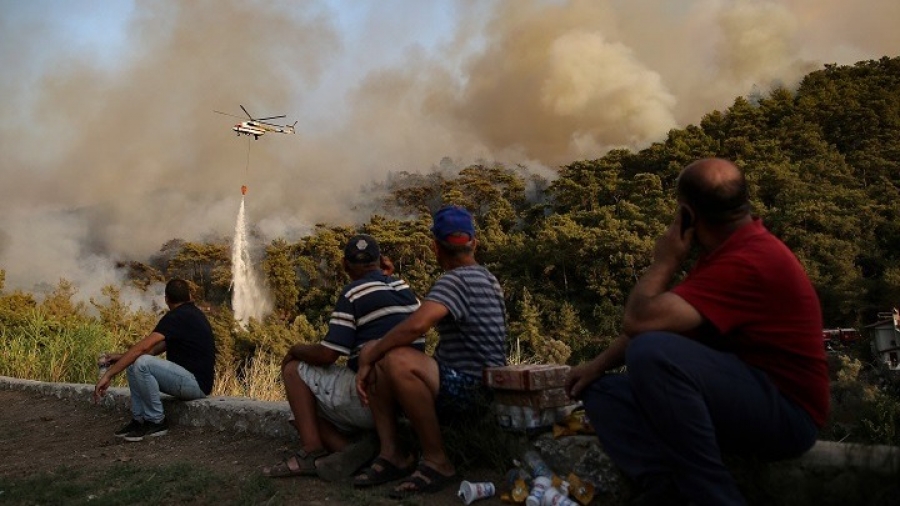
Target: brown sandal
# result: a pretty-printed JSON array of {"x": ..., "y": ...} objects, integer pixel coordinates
[{"x": 301, "y": 464}]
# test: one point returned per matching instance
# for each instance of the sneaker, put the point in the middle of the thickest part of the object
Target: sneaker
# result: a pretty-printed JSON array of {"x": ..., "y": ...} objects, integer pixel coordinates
[
  {"x": 132, "y": 426},
  {"x": 148, "y": 429}
]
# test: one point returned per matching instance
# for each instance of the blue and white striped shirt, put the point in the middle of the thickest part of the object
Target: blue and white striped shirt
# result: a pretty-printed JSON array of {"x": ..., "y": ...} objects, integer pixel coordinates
[
  {"x": 366, "y": 310},
  {"x": 473, "y": 335}
]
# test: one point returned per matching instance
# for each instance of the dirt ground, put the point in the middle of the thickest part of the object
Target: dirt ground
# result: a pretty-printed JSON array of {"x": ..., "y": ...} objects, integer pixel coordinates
[{"x": 44, "y": 434}]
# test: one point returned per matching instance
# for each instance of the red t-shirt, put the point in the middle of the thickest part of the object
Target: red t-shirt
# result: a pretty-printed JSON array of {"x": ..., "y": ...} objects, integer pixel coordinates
[{"x": 763, "y": 308}]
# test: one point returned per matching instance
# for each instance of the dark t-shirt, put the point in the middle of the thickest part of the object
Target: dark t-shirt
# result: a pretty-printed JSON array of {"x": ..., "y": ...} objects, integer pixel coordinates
[
  {"x": 763, "y": 307},
  {"x": 190, "y": 343}
]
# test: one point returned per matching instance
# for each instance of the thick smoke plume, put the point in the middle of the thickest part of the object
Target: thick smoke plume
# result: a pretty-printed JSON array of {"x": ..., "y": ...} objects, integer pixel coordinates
[{"x": 106, "y": 160}]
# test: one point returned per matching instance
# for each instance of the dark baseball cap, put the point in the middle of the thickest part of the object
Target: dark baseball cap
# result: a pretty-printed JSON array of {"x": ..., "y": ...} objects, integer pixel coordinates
[
  {"x": 361, "y": 249},
  {"x": 450, "y": 222}
]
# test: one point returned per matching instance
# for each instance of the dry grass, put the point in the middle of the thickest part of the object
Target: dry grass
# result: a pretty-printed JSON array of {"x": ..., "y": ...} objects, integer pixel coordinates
[{"x": 258, "y": 378}]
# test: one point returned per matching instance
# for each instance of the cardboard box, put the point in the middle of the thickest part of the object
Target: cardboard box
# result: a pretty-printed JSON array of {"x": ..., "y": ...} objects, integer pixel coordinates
[
  {"x": 547, "y": 398},
  {"x": 526, "y": 377}
]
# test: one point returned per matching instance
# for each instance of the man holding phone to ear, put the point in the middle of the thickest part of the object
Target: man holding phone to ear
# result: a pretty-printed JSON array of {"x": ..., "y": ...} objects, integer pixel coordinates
[{"x": 728, "y": 361}]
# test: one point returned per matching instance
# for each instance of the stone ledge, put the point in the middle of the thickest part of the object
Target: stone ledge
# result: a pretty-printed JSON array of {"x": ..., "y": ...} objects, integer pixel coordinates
[
  {"x": 235, "y": 414},
  {"x": 880, "y": 459}
]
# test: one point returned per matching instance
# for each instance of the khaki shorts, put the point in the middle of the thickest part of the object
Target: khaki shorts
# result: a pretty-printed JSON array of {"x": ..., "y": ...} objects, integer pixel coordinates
[{"x": 335, "y": 389}]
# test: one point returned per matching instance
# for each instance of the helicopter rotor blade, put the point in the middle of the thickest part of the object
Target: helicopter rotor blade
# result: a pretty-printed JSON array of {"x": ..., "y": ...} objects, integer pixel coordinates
[
  {"x": 226, "y": 114},
  {"x": 271, "y": 117},
  {"x": 247, "y": 113}
]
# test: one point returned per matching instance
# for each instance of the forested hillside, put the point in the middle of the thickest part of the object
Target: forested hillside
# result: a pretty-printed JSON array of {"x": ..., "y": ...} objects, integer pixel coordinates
[{"x": 824, "y": 166}]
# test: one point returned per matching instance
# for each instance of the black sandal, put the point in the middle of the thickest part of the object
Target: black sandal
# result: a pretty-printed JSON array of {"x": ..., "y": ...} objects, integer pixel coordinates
[
  {"x": 428, "y": 481},
  {"x": 379, "y": 472}
]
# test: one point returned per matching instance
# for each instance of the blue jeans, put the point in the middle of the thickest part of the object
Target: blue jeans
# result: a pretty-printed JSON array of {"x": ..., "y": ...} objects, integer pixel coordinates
[
  {"x": 681, "y": 405},
  {"x": 148, "y": 376}
]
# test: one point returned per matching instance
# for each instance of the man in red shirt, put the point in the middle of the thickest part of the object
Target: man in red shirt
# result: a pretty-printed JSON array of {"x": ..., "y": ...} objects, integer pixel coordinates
[{"x": 728, "y": 361}]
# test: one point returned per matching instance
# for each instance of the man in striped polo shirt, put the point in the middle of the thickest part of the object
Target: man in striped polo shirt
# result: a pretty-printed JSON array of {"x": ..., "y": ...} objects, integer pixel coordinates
[
  {"x": 466, "y": 307},
  {"x": 322, "y": 395}
]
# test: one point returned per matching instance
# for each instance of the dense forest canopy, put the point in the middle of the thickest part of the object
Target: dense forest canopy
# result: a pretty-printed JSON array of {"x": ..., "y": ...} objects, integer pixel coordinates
[{"x": 823, "y": 162}]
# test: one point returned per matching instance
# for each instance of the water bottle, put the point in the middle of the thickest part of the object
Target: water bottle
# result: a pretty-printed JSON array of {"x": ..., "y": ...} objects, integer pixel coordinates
[
  {"x": 102, "y": 365},
  {"x": 537, "y": 464}
]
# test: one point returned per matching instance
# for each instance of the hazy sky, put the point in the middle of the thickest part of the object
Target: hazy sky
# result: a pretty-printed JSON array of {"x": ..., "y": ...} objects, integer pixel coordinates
[{"x": 110, "y": 145}]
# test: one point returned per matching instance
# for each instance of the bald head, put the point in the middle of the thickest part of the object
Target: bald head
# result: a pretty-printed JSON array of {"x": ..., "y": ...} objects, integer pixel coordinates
[{"x": 716, "y": 190}]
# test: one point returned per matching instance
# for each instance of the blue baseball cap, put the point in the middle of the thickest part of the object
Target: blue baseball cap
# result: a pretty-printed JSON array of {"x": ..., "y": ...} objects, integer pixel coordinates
[{"x": 449, "y": 222}]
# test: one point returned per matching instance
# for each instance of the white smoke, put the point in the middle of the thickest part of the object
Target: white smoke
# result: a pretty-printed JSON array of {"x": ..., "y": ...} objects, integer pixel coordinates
[{"x": 109, "y": 153}]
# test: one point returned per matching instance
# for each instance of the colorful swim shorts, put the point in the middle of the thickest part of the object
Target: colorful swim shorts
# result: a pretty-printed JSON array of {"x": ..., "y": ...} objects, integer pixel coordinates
[{"x": 460, "y": 395}]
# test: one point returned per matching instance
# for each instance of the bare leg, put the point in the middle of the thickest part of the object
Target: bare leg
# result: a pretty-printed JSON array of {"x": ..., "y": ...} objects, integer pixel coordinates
[
  {"x": 333, "y": 439},
  {"x": 384, "y": 414},
  {"x": 303, "y": 406},
  {"x": 414, "y": 383}
]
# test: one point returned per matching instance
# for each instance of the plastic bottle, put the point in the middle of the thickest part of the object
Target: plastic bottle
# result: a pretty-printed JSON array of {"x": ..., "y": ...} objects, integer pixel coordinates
[
  {"x": 516, "y": 473},
  {"x": 537, "y": 464},
  {"x": 102, "y": 365}
]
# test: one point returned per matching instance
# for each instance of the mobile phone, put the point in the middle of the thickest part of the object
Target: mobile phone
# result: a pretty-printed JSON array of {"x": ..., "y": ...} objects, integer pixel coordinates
[{"x": 687, "y": 219}]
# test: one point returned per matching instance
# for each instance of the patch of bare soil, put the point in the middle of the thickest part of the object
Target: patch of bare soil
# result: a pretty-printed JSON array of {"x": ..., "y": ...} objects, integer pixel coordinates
[{"x": 41, "y": 434}]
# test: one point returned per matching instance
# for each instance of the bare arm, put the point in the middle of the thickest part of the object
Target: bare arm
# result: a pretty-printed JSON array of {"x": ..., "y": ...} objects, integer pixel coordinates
[
  {"x": 403, "y": 334},
  {"x": 650, "y": 305},
  {"x": 158, "y": 349},
  {"x": 312, "y": 354},
  {"x": 142, "y": 347},
  {"x": 583, "y": 375},
  {"x": 407, "y": 331}
]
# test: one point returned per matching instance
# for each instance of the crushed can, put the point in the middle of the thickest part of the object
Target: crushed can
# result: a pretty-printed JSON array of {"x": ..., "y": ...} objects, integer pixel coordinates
[
  {"x": 582, "y": 491},
  {"x": 538, "y": 488}
]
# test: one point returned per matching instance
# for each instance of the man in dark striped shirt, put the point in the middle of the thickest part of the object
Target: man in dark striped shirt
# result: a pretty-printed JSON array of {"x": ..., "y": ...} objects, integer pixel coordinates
[
  {"x": 322, "y": 395},
  {"x": 466, "y": 307}
]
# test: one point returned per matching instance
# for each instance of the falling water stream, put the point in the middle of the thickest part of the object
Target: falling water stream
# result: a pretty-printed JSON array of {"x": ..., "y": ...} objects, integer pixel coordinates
[{"x": 248, "y": 297}]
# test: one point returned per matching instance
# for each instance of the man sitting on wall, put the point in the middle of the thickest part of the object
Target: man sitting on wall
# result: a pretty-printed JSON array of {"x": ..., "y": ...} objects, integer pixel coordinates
[
  {"x": 185, "y": 335},
  {"x": 466, "y": 307},
  {"x": 322, "y": 395},
  {"x": 728, "y": 361}
]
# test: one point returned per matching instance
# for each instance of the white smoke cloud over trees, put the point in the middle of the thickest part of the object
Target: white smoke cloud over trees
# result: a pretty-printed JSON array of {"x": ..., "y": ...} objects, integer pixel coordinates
[{"x": 106, "y": 160}]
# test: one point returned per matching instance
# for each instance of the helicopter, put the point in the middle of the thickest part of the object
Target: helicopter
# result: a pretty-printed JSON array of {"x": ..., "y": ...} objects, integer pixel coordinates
[{"x": 258, "y": 126}]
